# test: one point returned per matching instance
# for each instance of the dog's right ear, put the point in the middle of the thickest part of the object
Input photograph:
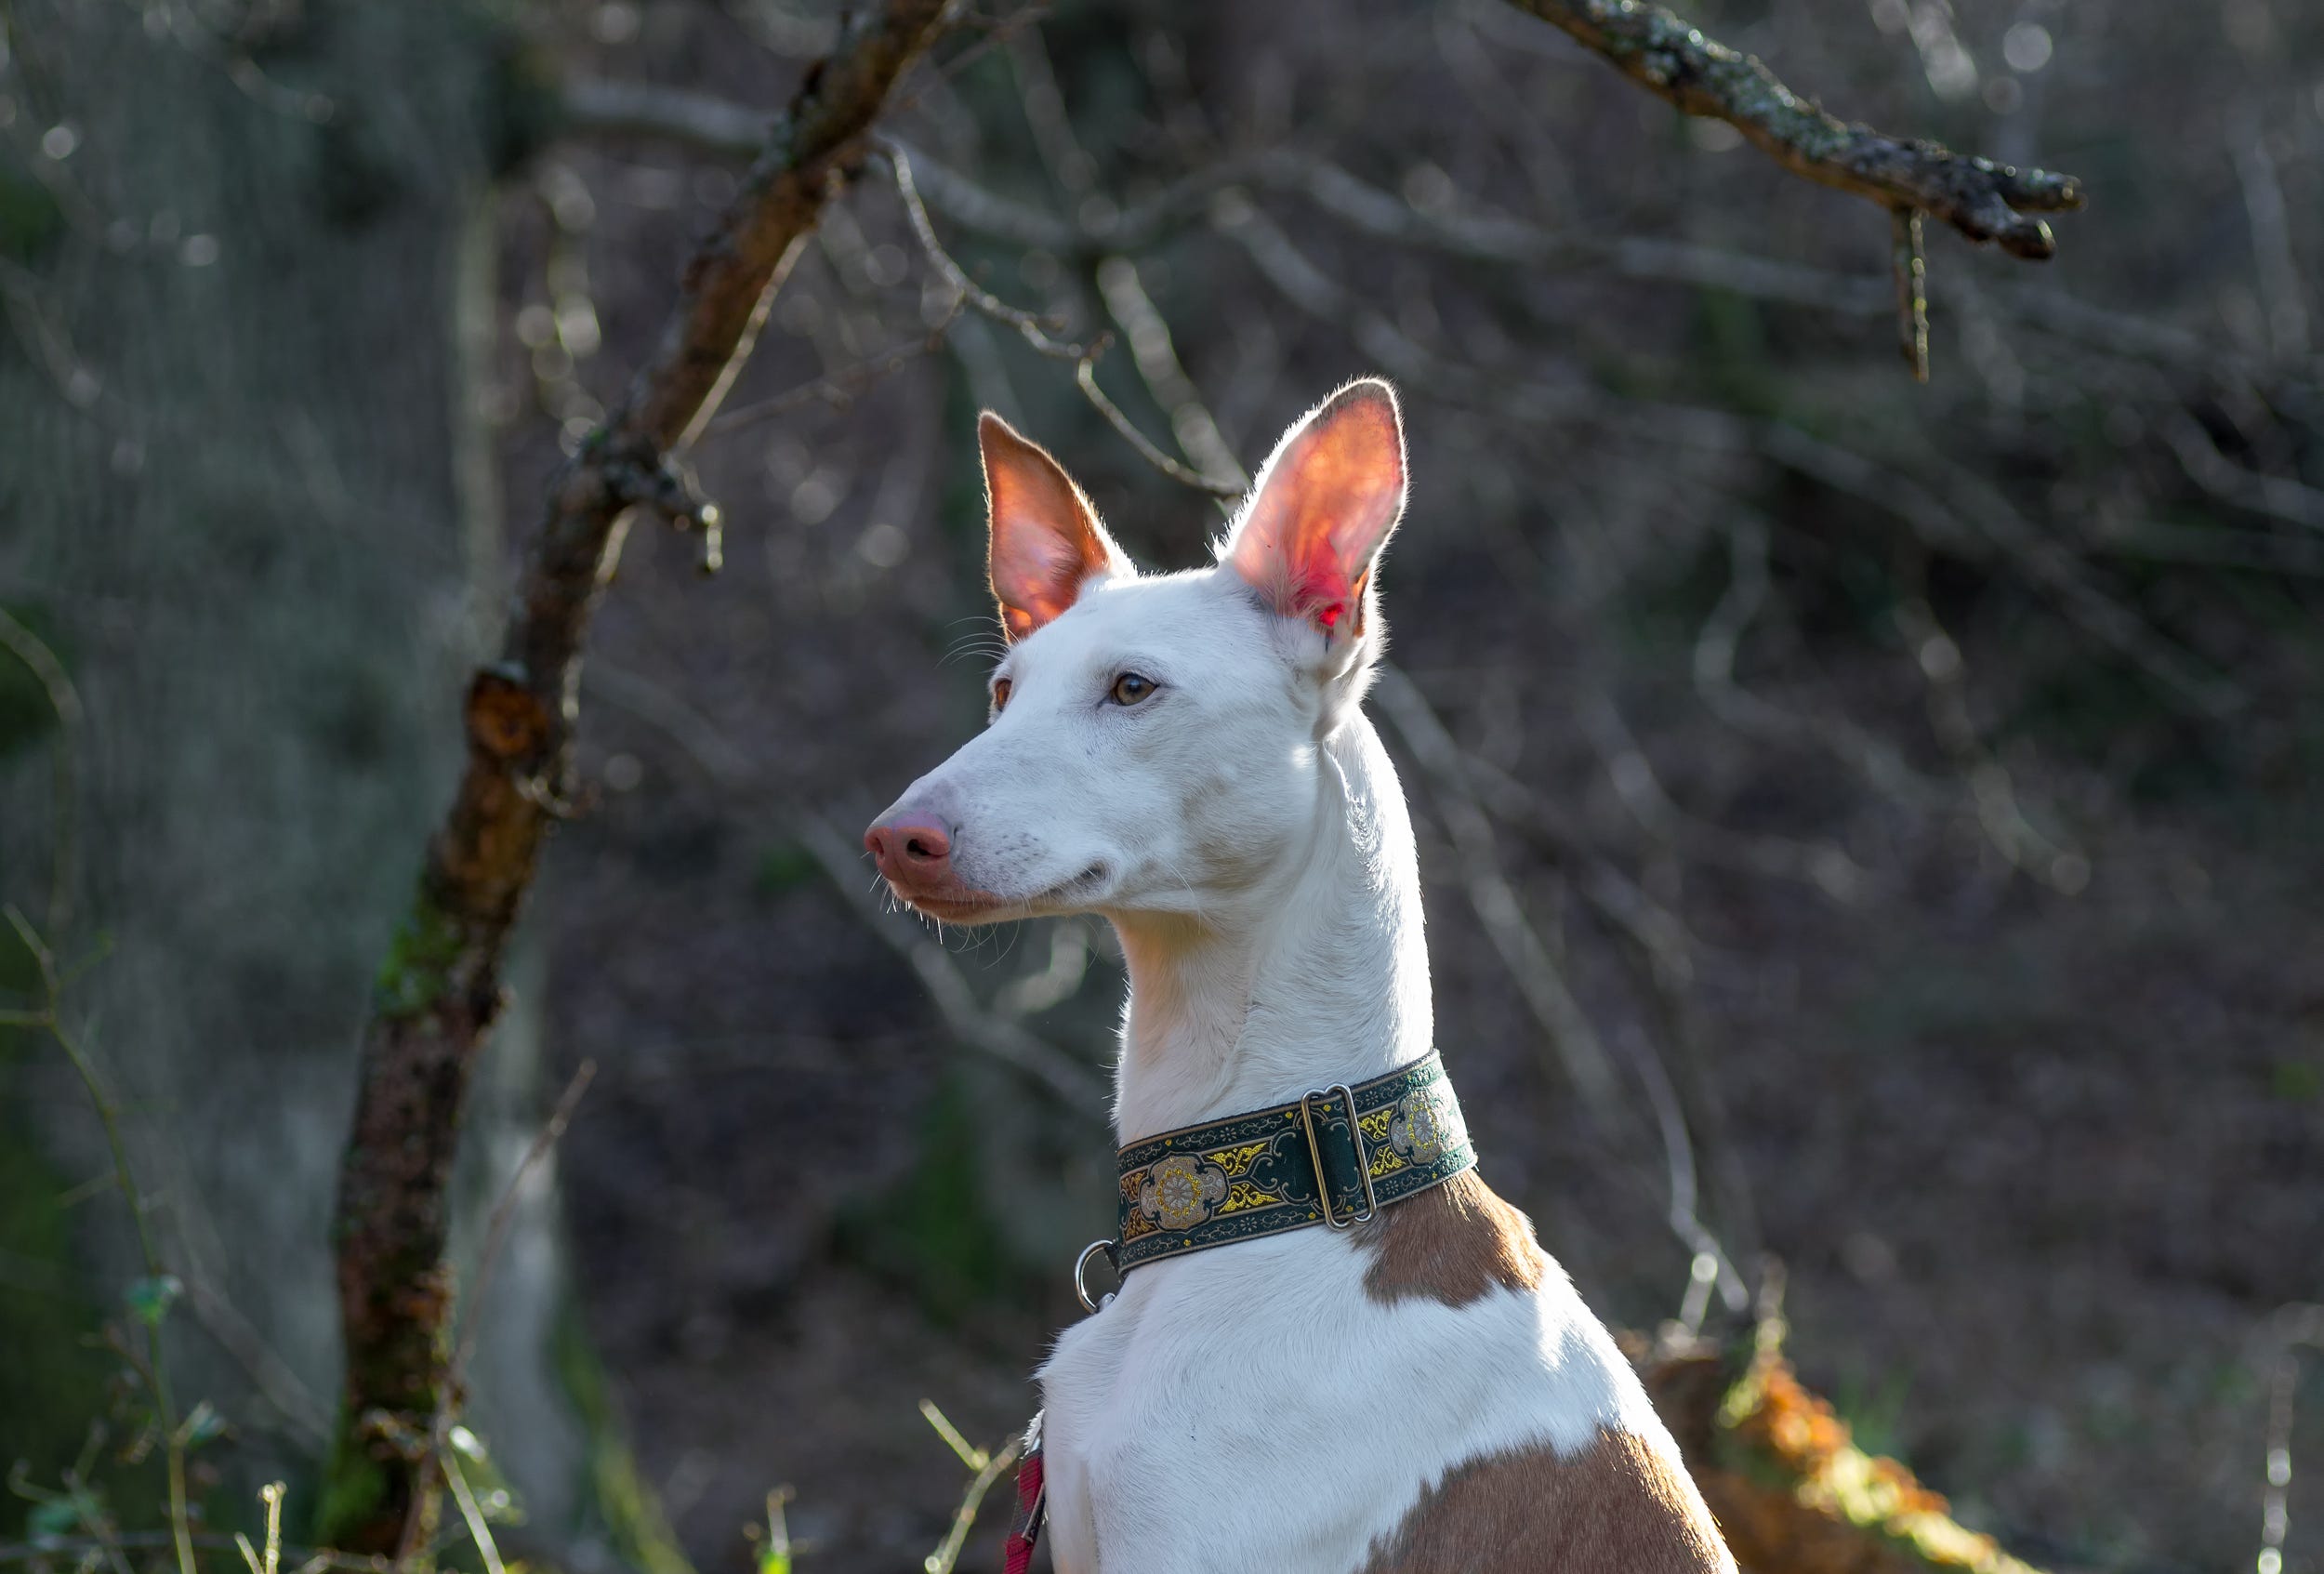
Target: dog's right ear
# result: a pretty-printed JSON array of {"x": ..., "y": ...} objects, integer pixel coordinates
[{"x": 1047, "y": 541}]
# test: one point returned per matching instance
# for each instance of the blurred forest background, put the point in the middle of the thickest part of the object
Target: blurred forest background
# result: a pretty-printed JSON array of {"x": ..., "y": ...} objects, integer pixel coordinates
[{"x": 1910, "y": 792}]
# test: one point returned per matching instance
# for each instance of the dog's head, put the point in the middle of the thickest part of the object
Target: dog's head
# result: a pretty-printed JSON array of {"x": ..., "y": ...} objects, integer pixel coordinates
[{"x": 1154, "y": 739}]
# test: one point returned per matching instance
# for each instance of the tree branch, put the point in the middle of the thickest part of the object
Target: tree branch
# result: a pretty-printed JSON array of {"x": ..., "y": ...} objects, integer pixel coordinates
[
  {"x": 1672, "y": 59},
  {"x": 439, "y": 991}
]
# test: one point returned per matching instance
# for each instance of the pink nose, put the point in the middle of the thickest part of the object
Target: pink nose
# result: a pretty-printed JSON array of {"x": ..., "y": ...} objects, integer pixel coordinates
[{"x": 912, "y": 851}]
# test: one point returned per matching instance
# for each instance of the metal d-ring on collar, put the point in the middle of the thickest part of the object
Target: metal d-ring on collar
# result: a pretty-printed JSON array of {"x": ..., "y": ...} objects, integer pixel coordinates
[
  {"x": 1264, "y": 1171},
  {"x": 1081, "y": 1265}
]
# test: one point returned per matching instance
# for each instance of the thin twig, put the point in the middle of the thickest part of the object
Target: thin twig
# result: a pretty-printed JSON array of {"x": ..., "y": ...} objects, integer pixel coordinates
[
  {"x": 1876, "y": 759},
  {"x": 1074, "y": 1084},
  {"x": 1154, "y": 357},
  {"x": 2061, "y": 866},
  {"x": 1912, "y": 289},
  {"x": 2292, "y": 1326},
  {"x": 989, "y": 1466},
  {"x": 1541, "y": 982},
  {"x": 1003, "y": 1038},
  {"x": 471, "y": 1513},
  {"x": 51, "y": 1017},
  {"x": 1529, "y": 963},
  {"x": 272, "y": 1377},
  {"x": 1037, "y": 331},
  {"x": 842, "y": 387},
  {"x": 271, "y": 1496},
  {"x": 544, "y": 1140},
  {"x": 440, "y": 1444},
  {"x": 1085, "y": 377}
]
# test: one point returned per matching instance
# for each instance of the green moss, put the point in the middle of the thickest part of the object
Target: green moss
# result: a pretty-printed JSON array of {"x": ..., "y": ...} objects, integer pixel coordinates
[
  {"x": 352, "y": 1487},
  {"x": 417, "y": 970}
]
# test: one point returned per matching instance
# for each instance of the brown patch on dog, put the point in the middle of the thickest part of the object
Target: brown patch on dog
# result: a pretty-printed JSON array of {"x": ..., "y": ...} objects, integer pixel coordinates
[
  {"x": 1621, "y": 1506},
  {"x": 1451, "y": 1243}
]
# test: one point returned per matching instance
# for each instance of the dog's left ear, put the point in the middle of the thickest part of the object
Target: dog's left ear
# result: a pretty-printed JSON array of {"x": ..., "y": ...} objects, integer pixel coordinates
[{"x": 1324, "y": 506}]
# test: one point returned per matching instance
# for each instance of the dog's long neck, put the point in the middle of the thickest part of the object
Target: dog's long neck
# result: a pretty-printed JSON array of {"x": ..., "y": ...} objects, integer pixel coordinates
[{"x": 1321, "y": 978}]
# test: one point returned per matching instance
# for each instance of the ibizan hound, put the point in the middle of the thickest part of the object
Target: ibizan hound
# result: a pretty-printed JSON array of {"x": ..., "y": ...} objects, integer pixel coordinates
[{"x": 1334, "y": 1348}]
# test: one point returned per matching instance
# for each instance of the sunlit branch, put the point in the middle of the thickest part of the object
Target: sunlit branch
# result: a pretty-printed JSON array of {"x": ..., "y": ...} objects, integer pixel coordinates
[
  {"x": 1040, "y": 334},
  {"x": 1673, "y": 59}
]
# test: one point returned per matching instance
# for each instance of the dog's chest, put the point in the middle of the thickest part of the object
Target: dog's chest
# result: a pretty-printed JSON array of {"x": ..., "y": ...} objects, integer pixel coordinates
[{"x": 1255, "y": 1405}]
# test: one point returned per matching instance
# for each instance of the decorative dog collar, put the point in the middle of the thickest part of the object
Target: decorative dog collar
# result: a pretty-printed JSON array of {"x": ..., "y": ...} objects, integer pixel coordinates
[{"x": 1336, "y": 1157}]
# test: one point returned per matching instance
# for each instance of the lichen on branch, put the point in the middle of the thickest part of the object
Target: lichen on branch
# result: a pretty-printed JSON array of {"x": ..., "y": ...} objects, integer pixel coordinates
[{"x": 1669, "y": 57}]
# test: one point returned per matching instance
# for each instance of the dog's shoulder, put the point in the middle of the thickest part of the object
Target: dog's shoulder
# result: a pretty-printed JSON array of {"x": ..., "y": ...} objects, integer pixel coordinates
[
  {"x": 1621, "y": 1501},
  {"x": 1622, "y": 1505},
  {"x": 1453, "y": 1243}
]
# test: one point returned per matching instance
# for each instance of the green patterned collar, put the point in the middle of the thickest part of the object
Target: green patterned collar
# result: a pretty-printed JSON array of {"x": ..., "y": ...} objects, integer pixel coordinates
[{"x": 1336, "y": 1157}]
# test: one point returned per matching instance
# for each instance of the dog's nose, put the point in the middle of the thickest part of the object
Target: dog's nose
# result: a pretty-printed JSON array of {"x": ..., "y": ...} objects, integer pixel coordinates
[{"x": 910, "y": 848}]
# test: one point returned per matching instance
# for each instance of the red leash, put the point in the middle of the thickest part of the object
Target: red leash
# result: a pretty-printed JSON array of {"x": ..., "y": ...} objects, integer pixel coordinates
[{"x": 1025, "y": 1526}]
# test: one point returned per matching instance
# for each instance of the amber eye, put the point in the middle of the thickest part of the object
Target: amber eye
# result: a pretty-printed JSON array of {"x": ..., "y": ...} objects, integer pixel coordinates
[
  {"x": 1132, "y": 687},
  {"x": 1000, "y": 694}
]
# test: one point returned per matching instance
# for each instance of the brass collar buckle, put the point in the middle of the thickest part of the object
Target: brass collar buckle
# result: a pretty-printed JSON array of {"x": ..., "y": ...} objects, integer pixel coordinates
[{"x": 1316, "y": 1151}]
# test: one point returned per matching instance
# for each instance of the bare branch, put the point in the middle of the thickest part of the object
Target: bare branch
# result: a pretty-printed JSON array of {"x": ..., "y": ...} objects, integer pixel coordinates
[
  {"x": 699, "y": 120},
  {"x": 1038, "y": 333},
  {"x": 1074, "y": 1084},
  {"x": 1529, "y": 963},
  {"x": 1875, "y": 758},
  {"x": 1669, "y": 58},
  {"x": 2282, "y": 498},
  {"x": 843, "y": 386},
  {"x": 1540, "y": 979}
]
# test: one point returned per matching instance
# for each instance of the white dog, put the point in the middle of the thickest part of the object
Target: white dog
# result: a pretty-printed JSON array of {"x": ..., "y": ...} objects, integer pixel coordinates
[{"x": 1334, "y": 1348}]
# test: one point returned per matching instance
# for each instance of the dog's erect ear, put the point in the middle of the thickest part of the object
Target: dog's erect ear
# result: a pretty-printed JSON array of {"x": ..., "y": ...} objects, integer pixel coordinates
[
  {"x": 1047, "y": 541},
  {"x": 1325, "y": 504}
]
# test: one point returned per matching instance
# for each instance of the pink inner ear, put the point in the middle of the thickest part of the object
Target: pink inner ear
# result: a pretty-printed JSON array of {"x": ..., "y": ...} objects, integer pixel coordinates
[
  {"x": 1037, "y": 573},
  {"x": 1329, "y": 499},
  {"x": 1046, "y": 539}
]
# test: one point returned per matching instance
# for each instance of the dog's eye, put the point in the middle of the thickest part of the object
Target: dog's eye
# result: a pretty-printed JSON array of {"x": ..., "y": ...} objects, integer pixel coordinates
[
  {"x": 1132, "y": 687},
  {"x": 1000, "y": 694}
]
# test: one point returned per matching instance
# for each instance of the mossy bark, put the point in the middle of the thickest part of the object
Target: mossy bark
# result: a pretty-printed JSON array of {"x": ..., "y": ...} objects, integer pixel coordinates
[{"x": 441, "y": 991}]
